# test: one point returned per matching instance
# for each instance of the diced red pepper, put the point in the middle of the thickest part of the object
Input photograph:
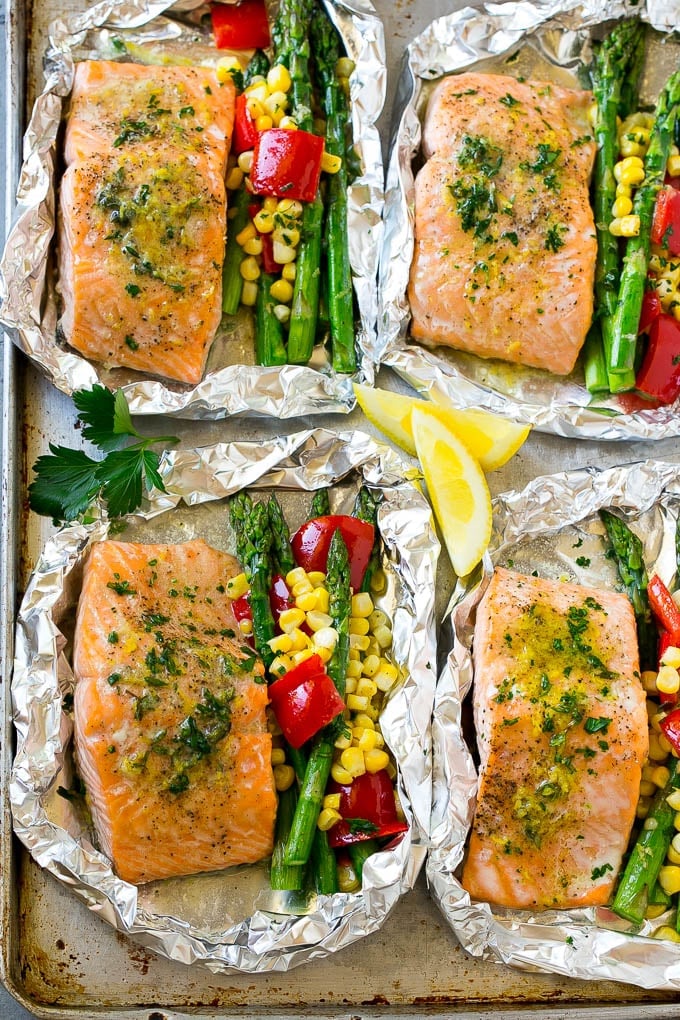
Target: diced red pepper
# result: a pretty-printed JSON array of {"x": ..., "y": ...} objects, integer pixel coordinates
[
  {"x": 312, "y": 540},
  {"x": 651, "y": 310},
  {"x": 659, "y": 374},
  {"x": 268, "y": 263},
  {"x": 280, "y": 597},
  {"x": 245, "y": 133},
  {"x": 665, "y": 642},
  {"x": 368, "y": 807},
  {"x": 304, "y": 700},
  {"x": 241, "y": 26},
  {"x": 666, "y": 224},
  {"x": 670, "y": 727},
  {"x": 672, "y": 182},
  {"x": 241, "y": 608},
  {"x": 664, "y": 608},
  {"x": 287, "y": 164}
]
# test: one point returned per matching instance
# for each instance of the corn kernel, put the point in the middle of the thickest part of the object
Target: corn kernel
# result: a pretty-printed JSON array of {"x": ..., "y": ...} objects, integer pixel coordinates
[
  {"x": 673, "y": 166},
  {"x": 278, "y": 78},
  {"x": 264, "y": 123},
  {"x": 245, "y": 161},
  {"x": 352, "y": 759},
  {"x": 622, "y": 206},
  {"x": 668, "y": 680},
  {"x": 322, "y": 599},
  {"x": 301, "y": 587},
  {"x": 290, "y": 207},
  {"x": 664, "y": 744},
  {"x": 295, "y": 576},
  {"x": 328, "y": 818},
  {"x": 306, "y": 601},
  {"x": 367, "y": 741},
  {"x": 357, "y": 703},
  {"x": 255, "y": 107},
  {"x": 283, "y": 253},
  {"x": 281, "y": 290},
  {"x": 367, "y": 688},
  {"x": 234, "y": 178},
  {"x": 237, "y": 586},
  {"x": 330, "y": 164},
  {"x": 249, "y": 293},
  {"x": 647, "y": 788},
  {"x": 673, "y": 800},
  {"x": 275, "y": 104},
  {"x": 364, "y": 721},
  {"x": 291, "y": 618},
  {"x": 362, "y": 605},
  {"x": 370, "y": 665},
  {"x": 340, "y": 774},
  {"x": 258, "y": 89},
  {"x": 669, "y": 879},
  {"x": 666, "y": 933},
  {"x": 358, "y": 625},
  {"x": 671, "y": 657},
  {"x": 378, "y": 619},
  {"x": 354, "y": 653},
  {"x": 299, "y": 640},
  {"x": 318, "y": 621},
  {"x": 303, "y": 654},
  {"x": 655, "y": 910},
  {"x": 648, "y": 678},
  {"x": 247, "y": 234},
  {"x": 278, "y": 756},
  {"x": 288, "y": 123},
  {"x": 289, "y": 271},
  {"x": 249, "y": 268},
  {"x": 282, "y": 312},
  {"x": 245, "y": 627},
  {"x": 625, "y": 226},
  {"x": 316, "y": 578},
  {"x": 280, "y": 643},
  {"x": 383, "y": 635},
  {"x": 269, "y": 204},
  {"x": 642, "y": 807},
  {"x": 592, "y": 114},
  {"x": 623, "y": 190},
  {"x": 633, "y": 175},
  {"x": 660, "y": 776},
  {"x": 656, "y": 751},
  {"x": 253, "y": 246},
  {"x": 264, "y": 221},
  {"x": 326, "y": 637},
  {"x": 376, "y": 760},
  {"x": 372, "y": 648},
  {"x": 287, "y": 236},
  {"x": 673, "y": 855},
  {"x": 350, "y": 684},
  {"x": 631, "y": 147},
  {"x": 280, "y": 665},
  {"x": 343, "y": 741},
  {"x": 347, "y": 879}
]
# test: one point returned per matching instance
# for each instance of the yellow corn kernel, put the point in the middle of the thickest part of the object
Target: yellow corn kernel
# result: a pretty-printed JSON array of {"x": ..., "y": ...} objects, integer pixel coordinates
[
  {"x": 642, "y": 807},
  {"x": 344, "y": 67},
  {"x": 290, "y": 207},
  {"x": 367, "y": 688},
  {"x": 647, "y": 788},
  {"x": 660, "y": 776},
  {"x": 343, "y": 741},
  {"x": 358, "y": 625},
  {"x": 257, "y": 90},
  {"x": 246, "y": 627},
  {"x": 278, "y": 756},
  {"x": 249, "y": 268},
  {"x": 368, "y": 741},
  {"x": 668, "y": 680},
  {"x": 253, "y": 246},
  {"x": 362, "y": 605},
  {"x": 666, "y": 934},
  {"x": 592, "y": 114},
  {"x": 224, "y": 69},
  {"x": 664, "y": 744},
  {"x": 378, "y": 619},
  {"x": 272, "y": 725},
  {"x": 322, "y": 599},
  {"x": 255, "y": 107},
  {"x": 280, "y": 643},
  {"x": 676, "y": 821},
  {"x": 372, "y": 710},
  {"x": 357, "y": 703},
  {"x": 376, "y": 760},
  {"x": 303, "y": 654},
  {"x": 359, "y": 642},
  {"x": 347, "y": 879},
  {"x": 269, "y": 204},
  {"x": 247, "y": 234},
  {"x": 295, "y": 576},
  {"x": 625, "y": 226},
  {"x": 290, "y": 619},
  {"x": 372, "y": 648},
  {"x": 278, "y": 78},
  {"x": 275, "y": 104},
  {"x": 281, "y": 290},
  {"x": 370, "y": 665},
  {"x": 673, "y": 800},
  {"x": 326, "y": 637},
  {"x": 237, "y": 586},
  {"x": 264, "y": 221},
  {"x": 264, "y": 123},
  {"x": 383, "y": 635},
  {"x": 245, "y": 161},
  {"x": 280, "y": 665},
  {"x": 330, "y": 164},
  {"x": 234, "y": 178},
  {"x": 623, "y": 190},
  {"x": 655, "y": 910},
  {"x": 673, "y": 855},
  {"x": 648, "y": 678},
  {"x": 354, "y": 653},
  {"x": 633, "y": 175},
  {"x": 386, "y": 676},
  {"x": 289, "y": 271},
  {"x": 352, "y": 759},
  {"x": 317, "y": 620},
  {"x": 282, "y": 312},
  {"x": 323, "y": 651},
  {"x": 283, "y": 253},
  {"x": 302, "y": 587},
  {"x": 299, "y": 640},
  {"x": 328, "y": 818},
  {"x": 331, "y": 801},
  {"x": 340, "y": 774},
  {"x": 249, "y": 293},
  {"x": 306, "y": 601},
  {"x": 622, "y": 206},
  {"x": 364, "y": 722},
  {"x": 288, "y": 123},
  {"x": 669, "y": 879},
  {"x": 350, "y": 684},
  {"x": 631, "y": 147},
  {"x": 656, "y": 751},
  {"x": 673, "y": 166},
  {"x": 354, "y": 669},
  {"x": 671, "y": 657},
  {"x": 289, "y": 237}
]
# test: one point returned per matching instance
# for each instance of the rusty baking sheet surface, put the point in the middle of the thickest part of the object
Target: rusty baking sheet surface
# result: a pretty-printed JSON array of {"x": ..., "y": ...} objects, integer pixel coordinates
[{"x": 63, "y": 961}]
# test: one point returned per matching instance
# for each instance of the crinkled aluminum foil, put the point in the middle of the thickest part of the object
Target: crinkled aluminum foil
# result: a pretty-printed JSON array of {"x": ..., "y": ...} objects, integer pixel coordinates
[
  {"x": 231, "y": 920},
  {"x": 553, "y": 39},
  {"x": 547, "y": 527},
  {"x": 232, "y": 384}
]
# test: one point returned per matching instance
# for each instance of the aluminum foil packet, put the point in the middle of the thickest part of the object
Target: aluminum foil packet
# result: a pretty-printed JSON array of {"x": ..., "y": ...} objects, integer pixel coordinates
[
  {"x": 159, "y": 31},
  {"x": 546, "y": 40},
  {"x": 551, "y": 527}
]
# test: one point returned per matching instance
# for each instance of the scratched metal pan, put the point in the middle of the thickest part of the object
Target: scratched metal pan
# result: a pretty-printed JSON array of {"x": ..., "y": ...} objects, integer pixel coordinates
[{"x": 58, "y": 958}]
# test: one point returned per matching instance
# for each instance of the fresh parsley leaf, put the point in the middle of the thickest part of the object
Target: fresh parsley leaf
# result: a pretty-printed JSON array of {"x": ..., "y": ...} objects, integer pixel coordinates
[
  {"x": 65, "y": 484},
  {"x": 122, "y": 422},
  {"x": 96, "y": 409},
  {"x": 121, "y": 476}
]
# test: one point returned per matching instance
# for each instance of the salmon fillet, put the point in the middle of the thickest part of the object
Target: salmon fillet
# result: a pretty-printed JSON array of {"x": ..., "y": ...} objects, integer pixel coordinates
[
  {"x": 169, "y": 713},
  {"x": 142, "y": 216},
  {"x": 562, "y": 736},
  {"x": 505, "y": 241}
]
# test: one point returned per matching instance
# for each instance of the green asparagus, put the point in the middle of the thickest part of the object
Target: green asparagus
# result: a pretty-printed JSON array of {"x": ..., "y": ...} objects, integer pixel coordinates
[
  {"x": 240, "y": 506},
  {"x": 320, "y": 505},
  {"x": 634, "y": 273},
  {"x": 285, "y": 876},
  {"x": 257, "y": 564},
  {"x": 359, "y": 854},
  {"x": 283, "y": 554},
  {"x": 366, "y": 509},
  {"x": 326, "y": 48},
  {"x": 648, "y": 854},
  {"x": 258, "y": 65},
  {"x": 269, "y": 346},
  {"x": 627, "y": 551},
  {"x": 232, "y": 281}
]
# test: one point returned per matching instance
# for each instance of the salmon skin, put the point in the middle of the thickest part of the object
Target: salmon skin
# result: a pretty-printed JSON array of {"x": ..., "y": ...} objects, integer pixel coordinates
[
  {"x": 169, "y": 713},
  {"x": 505, "y": 242},
  {"x": 562, "y": 734},
  {"x": 142, "y": 215}
]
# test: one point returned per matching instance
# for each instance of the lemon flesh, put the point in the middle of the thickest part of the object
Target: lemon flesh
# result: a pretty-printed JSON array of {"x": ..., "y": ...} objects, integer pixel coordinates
[
  {"x": 457, "y": 489},
  {"x": 492, "y": 440}
]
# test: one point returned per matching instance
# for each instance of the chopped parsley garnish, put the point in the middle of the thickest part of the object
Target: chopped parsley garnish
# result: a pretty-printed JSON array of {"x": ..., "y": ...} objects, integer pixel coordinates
[
  {"x": 357, "y": 825},
  {"x": 596, "y": 725},
  {"x": 121, "y": 587},
  {"x": 582, "y": 561},
  {"x": 508, "y": 100},
  {"x": 553, "y": 238},
  {"x": 599, "y": 872},
  {"x": 113, "y": 638},
  {"x": 474, "y": 191},
  {"x": 546, "y": 157},
  {"x": 131, "y": 343},
  {"x": 133, "y": 290}
]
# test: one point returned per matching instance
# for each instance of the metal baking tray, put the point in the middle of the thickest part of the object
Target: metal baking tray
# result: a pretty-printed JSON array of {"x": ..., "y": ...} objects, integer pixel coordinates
[{"x": 59, "y": 959}]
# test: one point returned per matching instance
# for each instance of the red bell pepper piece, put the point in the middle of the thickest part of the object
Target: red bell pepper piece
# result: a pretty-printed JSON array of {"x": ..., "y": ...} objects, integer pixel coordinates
[
  {"x": 670, "y": 727},
  {"x": 666, "y": 224},
  {"x": 664, "y": 608},
  {"x": 268, "y": 263},
  {"x": 659, "y": 374},
  {"x": 241, "y": 26},
  {"x": 651, "y": 310},
  {"x": 304, "y": 700},
  {"x": 287, "y": 164},
  {"x": 312, "y": 540},
  {"x": 245, "y": 133},
  {"x": 368, "y": 809},
  {"x": 241, "y": 608},
  {"x": 280, "y": 597}
]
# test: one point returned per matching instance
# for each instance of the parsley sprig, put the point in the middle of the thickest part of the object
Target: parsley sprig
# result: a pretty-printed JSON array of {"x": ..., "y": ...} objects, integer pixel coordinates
[{"x": 67, "y": 481}]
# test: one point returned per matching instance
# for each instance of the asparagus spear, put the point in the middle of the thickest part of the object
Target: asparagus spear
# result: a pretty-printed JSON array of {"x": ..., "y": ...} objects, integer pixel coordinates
[
  {"x": 258, "y": 65},
  {"x": 256, "y": 559},
  {"x": 240, "y": 506},
  {"x": 283, "y": 554},
  {"x": 648, "y": 854},
  {"x": 269, "y": 346},
  {"x": 326, "y": 47},
  {"x": 634, "y": 274},
  {"x": 609, "y": 72},
  {"x": 627, "y": 551},
  {"x": 320, "y": 505},
  {"x": 232, "y": 281},
  {"x": 359, "y": 854},
  {"x": 318, "y": 768},
  {"x": 282, "y": 875},
  {"x": 366, "y": 509}
]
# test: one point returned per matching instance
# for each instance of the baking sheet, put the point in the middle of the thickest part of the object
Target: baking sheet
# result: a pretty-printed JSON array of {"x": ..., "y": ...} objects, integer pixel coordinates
[{"x": 547, "y": 39}]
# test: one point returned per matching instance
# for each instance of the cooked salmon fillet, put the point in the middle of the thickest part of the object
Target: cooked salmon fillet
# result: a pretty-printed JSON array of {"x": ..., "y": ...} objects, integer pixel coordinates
[
  {"x": 142, "y": 215},
  {"x": 562, "y": 736},
  {"x": 169, "y": 713},
  {"x": 505, "y": 241}
]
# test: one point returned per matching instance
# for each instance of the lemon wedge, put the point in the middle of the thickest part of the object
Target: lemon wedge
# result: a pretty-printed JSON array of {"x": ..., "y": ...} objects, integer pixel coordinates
[
  {"x": 492, "y": 440},
  {"x": 457, "y": 489}
]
